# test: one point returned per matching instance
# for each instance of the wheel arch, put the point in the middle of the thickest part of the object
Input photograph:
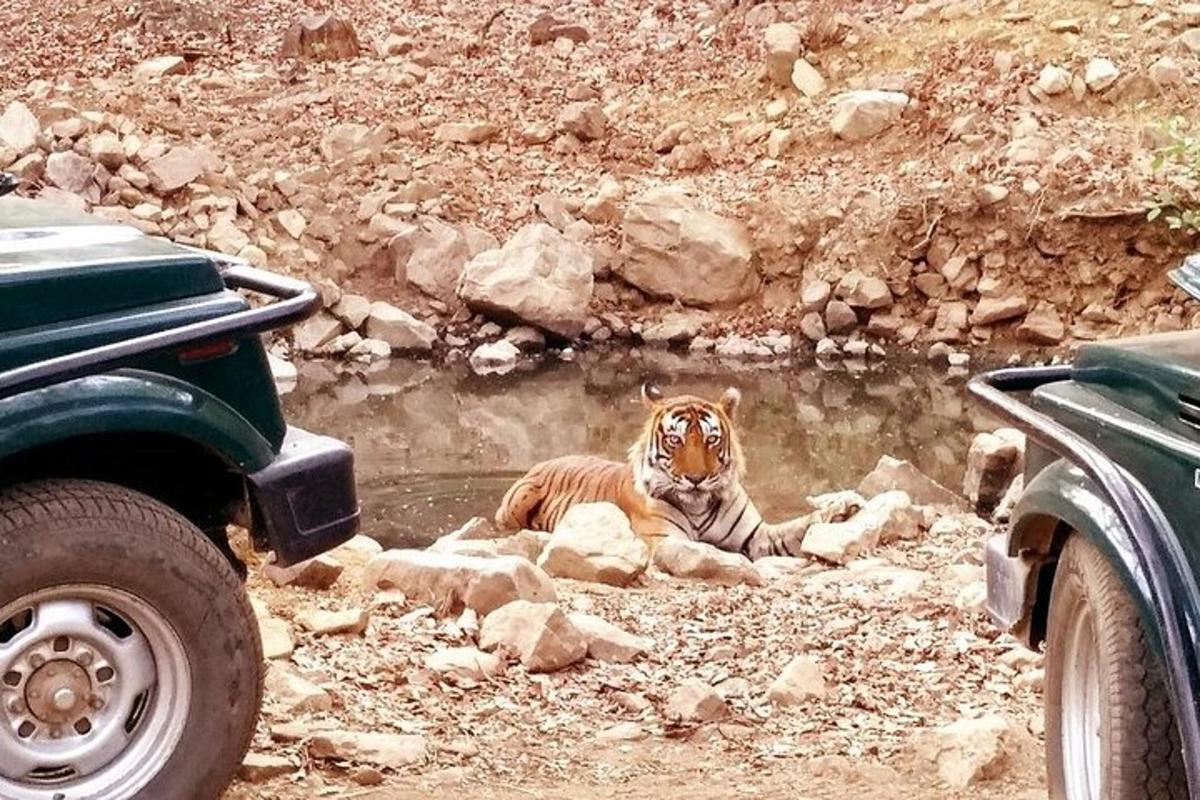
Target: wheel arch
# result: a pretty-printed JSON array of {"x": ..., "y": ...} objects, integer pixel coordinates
[{"x": 1060, "y": 502}]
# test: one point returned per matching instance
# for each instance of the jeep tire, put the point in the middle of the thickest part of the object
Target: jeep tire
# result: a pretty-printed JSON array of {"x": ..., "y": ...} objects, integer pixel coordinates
[
  {"x": 1110, "y": 734},
  {"x": 130, "y": 660}
]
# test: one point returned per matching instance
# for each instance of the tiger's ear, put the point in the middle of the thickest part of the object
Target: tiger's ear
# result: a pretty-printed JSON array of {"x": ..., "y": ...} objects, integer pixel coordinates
[
  {"x": 651, "y": 395},
  {"x": 729, "y": 401}
]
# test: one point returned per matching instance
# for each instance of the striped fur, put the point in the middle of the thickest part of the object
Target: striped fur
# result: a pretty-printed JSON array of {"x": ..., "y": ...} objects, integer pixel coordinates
[{"x": 683, "y": 478}]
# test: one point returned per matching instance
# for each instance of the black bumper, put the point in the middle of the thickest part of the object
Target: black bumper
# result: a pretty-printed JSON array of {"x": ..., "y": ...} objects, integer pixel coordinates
[{"x": 305, "y": 500}]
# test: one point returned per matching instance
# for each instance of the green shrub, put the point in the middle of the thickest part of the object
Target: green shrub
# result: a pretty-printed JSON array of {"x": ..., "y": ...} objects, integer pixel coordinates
[{"x": 1178, "y": 162}]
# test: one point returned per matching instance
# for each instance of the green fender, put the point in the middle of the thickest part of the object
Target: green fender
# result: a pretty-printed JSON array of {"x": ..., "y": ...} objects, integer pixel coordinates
[
  {"x": 1061, "y": 497},
  {"x": 130, "y": 401}
]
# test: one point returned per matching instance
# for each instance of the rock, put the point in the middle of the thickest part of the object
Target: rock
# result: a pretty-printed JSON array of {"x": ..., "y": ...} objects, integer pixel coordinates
[
  {"x": 309, "y": 336},
  {"x": 548, "y": 29},
  {"x": 106, "y": 150},
  {"x": 526, "y": 338},
  {"x": 262, "y": 767},
  {"x": 1042, "y": 326},
  {"x": 1190, "y": 39},
  {"x": 292, "y": 221},
  {"x": 19, "y": 128},
  {"x": 159, "y": 67},
  {"x": 319, "y": 622},
  {"x": 860, "y": 291},
  {"x": 839, "y": 317},
  {"x": 695, "y": 702},
  {"x": 585, "y": 120},
  {"x": 961, "y": 273},
  {"x": 538, "y": 277},
  {"x": 595, "y": 542},
  {"x": 886, "y": 517},
  {"x": 1004, "y": 509},
  {"x": 778, "y": 142},
  {"x": 320, "y": 37},
  {"x": 990, "y": 310},
  {"x": 866, "y": 113},
  {"x": 401, "y": 330},
  {"x": 178, "y": 167},
  {"x": 950, "y": 325},
  {"x": 473, "y": 132},
  {"x": 389, "y": 750},
  {"x": 494, "y": 357},
  {"x": 1166, "y": 71},
  {"x": 464, "y": 663},
  {"x": 806, "y": 78},
  {"x": 431, "y": 255},
  {"x": 452, "y": 582},
  {"x": 341, "y": 141},
  {"x": 69, "y": 171},
  {"x": 815, "y": 295},
  {"x": 607, "y": 642},
  {"x": 674, "y": 248},
  {"x": 276, "y": 637},
  {"x": 801, "y": 680},
  {"x": 812, "y": 326},
  {"x": 622, "y": 732},
  {"x": 674, "y": 328},
  {"x": 892, "y": 473},
  {"x": 783, "y": 44},
  {"x": 1053, "y": 80},
  {"x": 318, "y": 573},
  {"x": 1100, "y": 74},
  {"x": 295, "y": 694},
  {"x": 683, "y": 558},
  {"x": 992, "y": 462},
  {"x": 539, "y": 635},
  {"x": 970, "y": 751},
  {"x": 827, "y": 348},
  {"x": 990, "y": 193},
  {"x": 352, "y": 310}
]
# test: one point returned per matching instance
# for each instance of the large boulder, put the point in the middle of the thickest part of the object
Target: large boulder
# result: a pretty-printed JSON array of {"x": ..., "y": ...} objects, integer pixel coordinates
[
  {"x": 539, "y": 635},
  {"x": 595, "y": 542},
  {"x": 431, "y": 254},
  {"x": 452, "y": 582},
  {"x": 684, "y": 558},
  {"x": 673, "y": 248},
  {"x": 320, "y": 37},
  {"x": 539, "y": 277}
]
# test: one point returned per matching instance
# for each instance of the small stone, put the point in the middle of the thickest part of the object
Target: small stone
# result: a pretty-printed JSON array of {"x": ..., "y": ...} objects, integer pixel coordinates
[
  {"x": 320, "y": 37},
  {"x": 262, "y": 767},
  {"x": 276, "y": 637},
  {"x": 1053, "y": 80},
  {"x": 801, "y": 680},
  {"x": 318, "y": 573},
  {"x": 401, "y": 330},
  {"x": 584, "y": 120},
  {"x": 865, "y": 113},
  {"x": 292, "y": 221},
  {"x": 990, "y": 310},
  {"x": 69, "y": 171},
  {"x": 292, "y": 692},
  {"x": 696, "y": 702},
  {"x": 388, "y": 750},
  {"x": 1100, "y": 74},
  {"x": 970, "y": 751},
  {"x": 319, "y": 622},
  {"x": 1166, "y": 71},
  {"x": 623, "y": 732},
  {"x": 453, "y": 582},
  {"x": 783, "y": 43},
  {"x": 539, "y": 635},
  {"x": 815, "y": 295},
  {"x": 352, "y": 310},
  {"x": 839, "y": 317},
  {"x": 812, "y": 326},
  {"x": 496, "y": 357},
  {"x": 993, "y": 461},
  {"x": 474, "y": 132},
  {"x": 806, "y": 78},
  {"x": 1042, "y": 326},
  {"x": 466, "y": 663},
  {"x": 607, "y": 642},
  {"x": 892, "y": 473},
  {"x": 19, "y": 128},
  {"x": 309, "y": 336},
  {"x": 159, "y": 67},
  {"x": 860, "y": 291}
]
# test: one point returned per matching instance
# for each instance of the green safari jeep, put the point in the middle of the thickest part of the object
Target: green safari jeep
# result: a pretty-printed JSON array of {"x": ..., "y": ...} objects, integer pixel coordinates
[
  {"x": 138, "y": 419},
  {"x": 1101, "y": 561}
]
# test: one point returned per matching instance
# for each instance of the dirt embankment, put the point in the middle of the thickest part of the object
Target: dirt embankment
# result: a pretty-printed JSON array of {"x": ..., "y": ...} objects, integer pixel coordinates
[{"x": 967, "y": 172}]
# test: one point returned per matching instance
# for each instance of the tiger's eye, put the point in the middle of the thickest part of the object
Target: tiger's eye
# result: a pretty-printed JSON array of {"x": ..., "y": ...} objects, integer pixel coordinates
[{"x": 674, "y": 440}]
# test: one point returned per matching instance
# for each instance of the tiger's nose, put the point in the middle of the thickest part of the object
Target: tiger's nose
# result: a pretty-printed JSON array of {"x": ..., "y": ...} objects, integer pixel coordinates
[{"x": 695, "y": 480}]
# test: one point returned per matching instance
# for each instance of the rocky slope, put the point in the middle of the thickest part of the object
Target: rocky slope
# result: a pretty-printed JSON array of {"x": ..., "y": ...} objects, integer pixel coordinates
[{"x": 958, "y": 171}]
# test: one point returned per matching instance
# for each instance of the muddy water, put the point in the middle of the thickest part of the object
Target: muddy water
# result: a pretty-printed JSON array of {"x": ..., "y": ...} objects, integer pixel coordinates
[{"x": 436, "y": 445}]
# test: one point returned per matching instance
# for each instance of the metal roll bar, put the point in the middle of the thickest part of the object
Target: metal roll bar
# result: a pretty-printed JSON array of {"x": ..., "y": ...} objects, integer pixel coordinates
[
  {"x": 1159, "y": 553},
  {"x": 296, "y": 301}
]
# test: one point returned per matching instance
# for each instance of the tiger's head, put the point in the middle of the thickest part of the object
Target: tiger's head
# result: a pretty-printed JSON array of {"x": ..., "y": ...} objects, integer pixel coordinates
[{"x": 689, "y": 451}]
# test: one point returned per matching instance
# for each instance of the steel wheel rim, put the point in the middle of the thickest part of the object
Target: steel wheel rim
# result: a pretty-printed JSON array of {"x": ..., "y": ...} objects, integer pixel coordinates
[
  {"x": 94, "y": 694},
  {"x": 1080, "y": 723}
]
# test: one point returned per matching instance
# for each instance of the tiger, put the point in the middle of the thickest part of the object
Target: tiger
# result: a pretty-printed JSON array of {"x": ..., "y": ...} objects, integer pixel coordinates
[{"x": 683, "y": 477}]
